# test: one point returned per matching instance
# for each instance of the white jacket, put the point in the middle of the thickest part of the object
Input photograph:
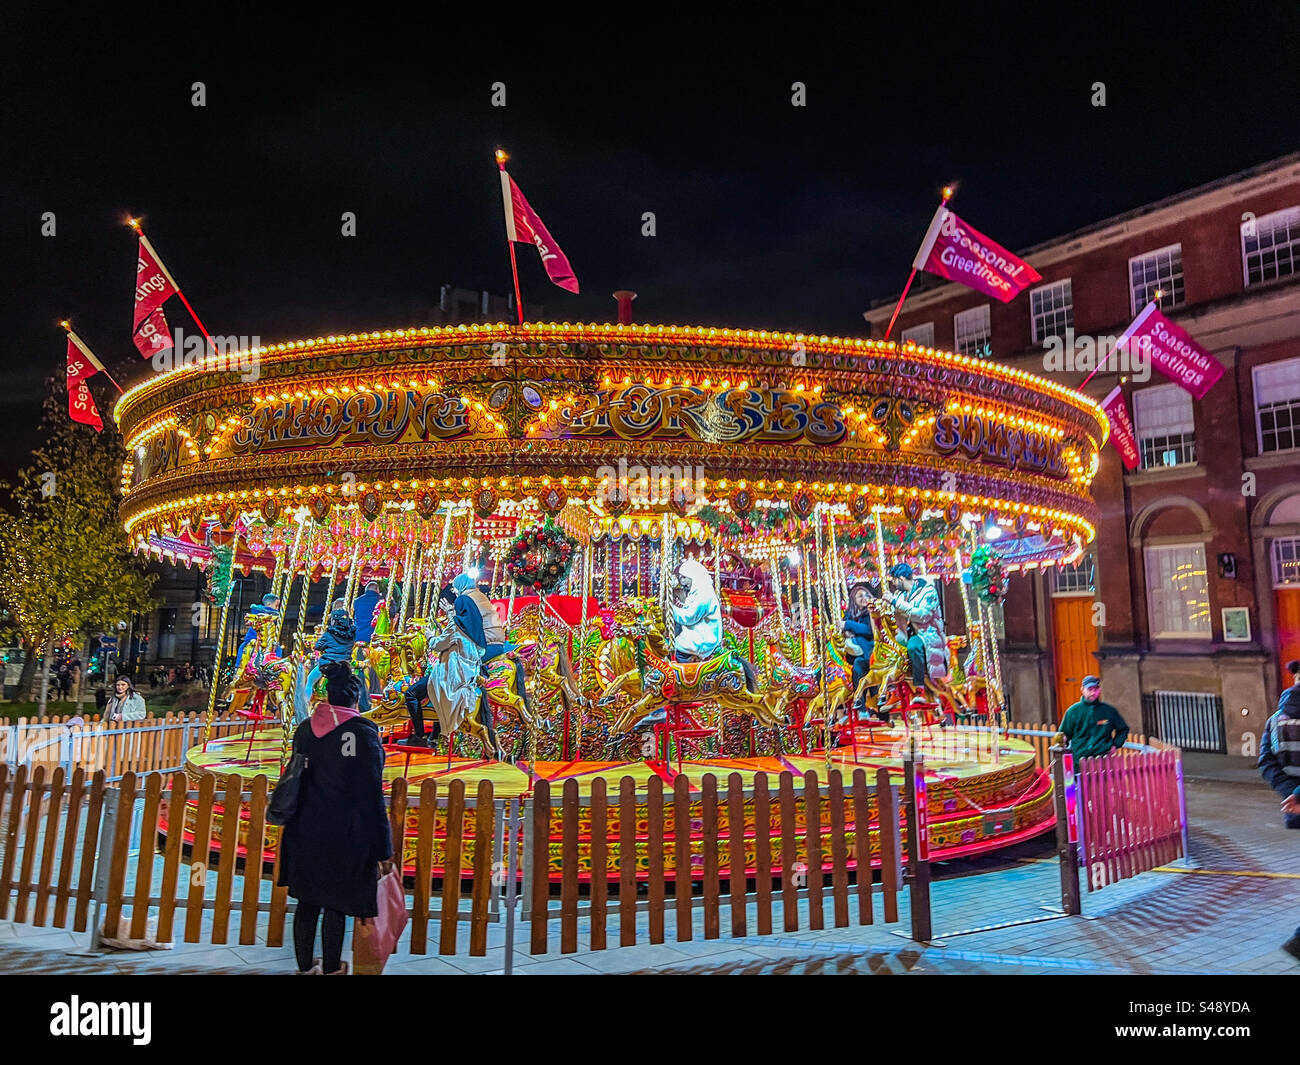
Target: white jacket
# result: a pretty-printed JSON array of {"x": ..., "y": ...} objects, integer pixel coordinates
[{"x": 129, "y": 709}]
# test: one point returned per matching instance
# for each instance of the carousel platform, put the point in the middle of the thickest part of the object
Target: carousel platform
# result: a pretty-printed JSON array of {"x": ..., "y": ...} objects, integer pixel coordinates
[{"x": 983, "y": 791}]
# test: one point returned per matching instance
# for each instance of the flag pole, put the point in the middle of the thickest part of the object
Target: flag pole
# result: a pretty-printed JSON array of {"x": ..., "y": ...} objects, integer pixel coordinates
[
  {"x": 81, "y": 344},
  {"x": 134, "y": 223},
  {"x": 948, "y": 192},
  {"x": 510, "y": 234},
  {"x": 1157, "y": 294}
]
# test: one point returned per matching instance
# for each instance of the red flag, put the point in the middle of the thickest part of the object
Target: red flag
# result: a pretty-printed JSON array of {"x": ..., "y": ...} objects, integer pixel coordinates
[
  {"x": 954, "y": 250},
  {"x": 523, "y": 225},
  {"x": 82, "y": 365},
  {"x": 1121, "y": 428},
  {"x": 153, "y": 284},
  {"x": 154, "y": 336},
  {"x": 1172, "y": 351}
]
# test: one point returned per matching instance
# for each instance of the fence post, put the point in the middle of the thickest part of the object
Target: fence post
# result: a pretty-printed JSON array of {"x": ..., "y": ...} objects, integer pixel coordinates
[
  {"x": 512, "y": 849},
  {"x": 1182, "y": 811},
  {"x": 103, "y": 863},
  {"x": 1065, "y": 795},
  {"x": 918, "y": 843}
]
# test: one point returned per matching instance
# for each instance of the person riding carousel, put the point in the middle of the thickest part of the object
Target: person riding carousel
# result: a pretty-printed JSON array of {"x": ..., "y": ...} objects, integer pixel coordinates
[
  {"x": 697, "y": 614},
  {"x": 860, "y": 634},
  {"x": 475, "y": 637},
  {"x": 917, "y": 599}
]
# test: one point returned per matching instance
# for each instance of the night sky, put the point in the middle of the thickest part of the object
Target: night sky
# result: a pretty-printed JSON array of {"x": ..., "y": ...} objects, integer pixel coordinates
[{"x": 768, "y": 215}]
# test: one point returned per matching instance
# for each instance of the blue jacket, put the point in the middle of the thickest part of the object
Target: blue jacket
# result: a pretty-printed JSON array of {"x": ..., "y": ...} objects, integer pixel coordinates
[
  {"x": 336, "y": 642},
  {"x": 363, "y": 610}
]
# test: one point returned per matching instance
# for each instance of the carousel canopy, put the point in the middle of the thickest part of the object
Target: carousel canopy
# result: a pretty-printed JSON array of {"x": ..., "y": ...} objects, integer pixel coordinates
[{"x": 376, "y": 438}]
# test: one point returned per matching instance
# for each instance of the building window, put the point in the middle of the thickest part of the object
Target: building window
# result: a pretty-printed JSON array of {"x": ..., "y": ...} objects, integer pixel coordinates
[
  {"x": 1178, "y": 594},
  {"x": 1277, "y": 405},
  {"x": 1051, "y": 310},
  {"x": 1166, "y": 431},
  {"x": 1157, "y": 270},
  {"x": 1270, "y": 245},
  {"x": 1076, "y": 579},
  {"x": 920, "y": 335},
  {"x": 972, "y": 332},
  {"x": 1286, "y": 562}
]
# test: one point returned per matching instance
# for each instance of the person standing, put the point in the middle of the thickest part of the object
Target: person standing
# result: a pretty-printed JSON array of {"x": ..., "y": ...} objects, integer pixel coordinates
[
  {"x": 1279, "y": 763},
  {"x": 1093, "y": 728},
  {"x": 363, "y": 611},
  {"x": 127, "y": 704},
  {"x": 332, "y": 849}
]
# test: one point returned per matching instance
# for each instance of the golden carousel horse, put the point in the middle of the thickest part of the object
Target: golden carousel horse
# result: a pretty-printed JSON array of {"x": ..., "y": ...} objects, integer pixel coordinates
[
  {"x": 650, "y": 681},
  {"x": 799, "y": 688}
]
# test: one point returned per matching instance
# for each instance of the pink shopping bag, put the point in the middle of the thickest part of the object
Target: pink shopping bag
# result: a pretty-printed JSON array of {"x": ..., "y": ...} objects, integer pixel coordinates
[{"x": 375, "y": 938}]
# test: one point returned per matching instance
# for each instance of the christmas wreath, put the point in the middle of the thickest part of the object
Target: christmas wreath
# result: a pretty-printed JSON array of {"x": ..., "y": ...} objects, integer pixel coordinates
[
  {"x": 987, "y": 576},
  {"x": 223, "y": 564},
  {"x": 539, "y": 559}
]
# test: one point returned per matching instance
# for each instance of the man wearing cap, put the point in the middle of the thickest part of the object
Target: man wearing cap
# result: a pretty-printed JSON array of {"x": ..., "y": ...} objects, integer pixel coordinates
[{"x": 1093, "y": 728}]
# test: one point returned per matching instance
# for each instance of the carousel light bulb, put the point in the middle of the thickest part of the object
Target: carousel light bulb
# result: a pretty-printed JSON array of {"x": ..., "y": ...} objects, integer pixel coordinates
[
  {"x": 992, "y": 531},
  {"x": 793, "y": 556}
]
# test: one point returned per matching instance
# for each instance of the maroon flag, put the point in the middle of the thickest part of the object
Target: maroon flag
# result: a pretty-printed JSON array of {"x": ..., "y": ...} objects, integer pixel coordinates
[
  {"x": 153, "y": 286},
  {"x": 1121, "y": 428},
  {"x": 154, "y": 336},
  {"x": 1172, "y": 351},
  {"x": 954, "y": 250},
  {"x": 82, "y": 365},
  {"x": 523, "y": 225}
]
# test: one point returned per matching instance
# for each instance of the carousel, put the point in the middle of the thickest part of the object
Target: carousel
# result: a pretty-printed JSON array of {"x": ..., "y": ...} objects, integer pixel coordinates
[{"x": 695, "y": 551}]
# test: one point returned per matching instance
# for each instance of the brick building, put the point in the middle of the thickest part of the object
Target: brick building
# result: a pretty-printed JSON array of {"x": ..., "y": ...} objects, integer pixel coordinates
[{"x": 1196, "y": 565}]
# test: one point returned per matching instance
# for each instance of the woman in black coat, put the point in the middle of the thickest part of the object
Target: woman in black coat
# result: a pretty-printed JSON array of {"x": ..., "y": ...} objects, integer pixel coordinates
[
  {"x": 331, "y": 850},
  {"x": 858, "y": 627}
]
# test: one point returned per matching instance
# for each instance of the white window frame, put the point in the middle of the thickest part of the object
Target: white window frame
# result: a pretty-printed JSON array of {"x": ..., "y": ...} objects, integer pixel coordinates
[
  {"x": 1288, "y": 546},
  {"x": 984, "y": 317},
  {"x": 1147, "y": 396},
  {"x": 1259, "y": 424},
  {"x": 1172, "y": 250},
  {"x": 1079, "y": 578},
  {"x": 1287, "y": 216},
  {"x": 1148, "y": 554},
  {"x": 925, "y": 329},
  {"x": 1064, "y": 283}
]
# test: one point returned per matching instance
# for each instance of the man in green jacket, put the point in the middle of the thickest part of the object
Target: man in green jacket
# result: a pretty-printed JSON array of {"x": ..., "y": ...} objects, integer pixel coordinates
[{"x": 1093, "y": 728}]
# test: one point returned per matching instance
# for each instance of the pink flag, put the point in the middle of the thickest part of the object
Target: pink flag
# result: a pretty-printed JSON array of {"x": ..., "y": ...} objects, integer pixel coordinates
[
  {"x": 82, "y": 365},
  {"x": 523, "y": 225},
  {"x": 954, "y": 250},
  {"x": 1121, "y": 428},
  {"x": 154, "y": 336},
  {"x": 1172, "y": 351},
  {"x": 153, "y": 284}
]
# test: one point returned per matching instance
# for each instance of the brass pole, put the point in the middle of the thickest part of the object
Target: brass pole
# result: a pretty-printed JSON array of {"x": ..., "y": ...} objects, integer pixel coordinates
[{"x": 221, "y": 639}]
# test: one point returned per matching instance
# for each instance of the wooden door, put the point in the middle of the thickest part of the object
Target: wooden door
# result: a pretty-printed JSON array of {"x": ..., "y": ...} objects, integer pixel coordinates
[
  {"x": 1288, "y": 630},
  {"x": 1074, "y": 646}
]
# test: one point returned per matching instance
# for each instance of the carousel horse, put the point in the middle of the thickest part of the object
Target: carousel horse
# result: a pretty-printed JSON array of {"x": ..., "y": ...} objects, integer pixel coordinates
[
  {"x": 798, "y": 689},
  {"x": 652, "y": 681},
  {"x": 260, "y": 677},
  {"x": 889, "y": 673}
]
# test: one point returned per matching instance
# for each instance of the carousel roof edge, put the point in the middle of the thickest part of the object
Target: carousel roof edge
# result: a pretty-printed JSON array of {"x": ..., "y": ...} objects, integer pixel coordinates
[{"x": 567, "y": 332}]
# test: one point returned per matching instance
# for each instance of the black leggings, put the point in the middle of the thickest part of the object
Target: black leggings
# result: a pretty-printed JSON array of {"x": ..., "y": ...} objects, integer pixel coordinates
[{"x": 304, "y": 937}]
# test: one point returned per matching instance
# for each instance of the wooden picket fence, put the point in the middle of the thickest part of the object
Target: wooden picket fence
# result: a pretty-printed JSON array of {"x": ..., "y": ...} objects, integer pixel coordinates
[
  {"x": 152, "y": 744},
  {"x": 1131, "y": 812},
  {"x": 87, "y": 843}
]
